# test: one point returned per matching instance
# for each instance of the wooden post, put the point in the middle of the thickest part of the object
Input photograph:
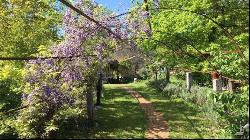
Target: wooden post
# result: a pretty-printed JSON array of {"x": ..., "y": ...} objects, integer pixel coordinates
[
  {"x": 99, "y": 89},
  {"x": 230, "y": 85},
  {"x": 156, "y": 75},
  {"x": 217, "y": 85},
  {"x": 90, "y": 108},
  {"x": 167, "y": 74},
  {"x": 189, "y": 80},
  {"x": 99, "y": 84},
  {"x": 217, "y": 82}
]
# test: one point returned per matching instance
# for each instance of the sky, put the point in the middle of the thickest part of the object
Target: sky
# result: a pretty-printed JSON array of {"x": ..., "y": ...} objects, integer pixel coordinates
[{"x": 118, "y": 6}]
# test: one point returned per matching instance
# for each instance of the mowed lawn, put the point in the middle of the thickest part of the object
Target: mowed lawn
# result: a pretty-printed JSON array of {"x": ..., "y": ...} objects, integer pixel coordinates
[
  {"x": 184, "y": 120},
  {"x": 119, "y": 116}
]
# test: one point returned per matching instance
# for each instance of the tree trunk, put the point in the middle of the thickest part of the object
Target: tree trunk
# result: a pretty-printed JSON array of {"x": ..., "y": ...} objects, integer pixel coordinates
[
  {"x": 99, "y": 90},
  {"x": 156, "y": 75},
  {"x": 167, "y": 75},
  {"x": 90, "y": 108},
  {"x": 117, "y": 77}
]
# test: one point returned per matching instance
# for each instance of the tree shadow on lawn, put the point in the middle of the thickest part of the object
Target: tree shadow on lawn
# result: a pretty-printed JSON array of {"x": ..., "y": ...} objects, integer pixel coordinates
[
  {"x": 120, "y": 116},
  {"x": 183, "y": 119}
]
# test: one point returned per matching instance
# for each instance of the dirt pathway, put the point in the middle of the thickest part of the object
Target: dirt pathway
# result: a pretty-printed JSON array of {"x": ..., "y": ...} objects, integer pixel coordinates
[{"x": 157, "y": 125}]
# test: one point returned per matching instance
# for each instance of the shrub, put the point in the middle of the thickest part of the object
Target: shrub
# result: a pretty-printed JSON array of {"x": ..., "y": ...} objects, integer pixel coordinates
[
  {"x": 173, "y": 90},
  {"x": 158, "y": 84},
  {"x": 227, "y": 109},
  {"x": 201, "y": 79},
  {"x": 10, "y": 97},
  {"x": 143, "y": 74}
]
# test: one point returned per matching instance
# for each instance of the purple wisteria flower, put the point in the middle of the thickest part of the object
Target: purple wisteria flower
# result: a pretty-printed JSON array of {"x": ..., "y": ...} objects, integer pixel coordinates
[
  {"x": 30, "y": 98},
  {"x": 82, "y": 37},
  {"x": 24, "y": 96}
]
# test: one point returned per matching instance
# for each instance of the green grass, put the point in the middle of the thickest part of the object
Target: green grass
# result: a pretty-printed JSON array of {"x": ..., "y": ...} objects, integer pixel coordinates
[
  {"x": 120, "y": 116},
  {"x": 184, "y": 119}
]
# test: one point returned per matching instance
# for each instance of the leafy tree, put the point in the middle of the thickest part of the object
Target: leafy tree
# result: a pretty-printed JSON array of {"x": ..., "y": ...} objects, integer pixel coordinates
[
  {"x": 26, "y": 25},
  {"x": 201, "y": 35},
  {"x": 26, "y": 29}
]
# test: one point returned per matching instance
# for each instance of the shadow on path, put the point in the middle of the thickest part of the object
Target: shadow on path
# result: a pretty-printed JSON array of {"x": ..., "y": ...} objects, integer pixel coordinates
[{"x": 157, "y": 125}]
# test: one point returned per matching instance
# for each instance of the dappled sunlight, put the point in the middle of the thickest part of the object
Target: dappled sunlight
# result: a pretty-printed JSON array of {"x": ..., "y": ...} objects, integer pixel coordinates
[
  {"x": 157, "y": 125},
  {"x": 184, "y": 120},
  {"x": 120, "y": 116}
]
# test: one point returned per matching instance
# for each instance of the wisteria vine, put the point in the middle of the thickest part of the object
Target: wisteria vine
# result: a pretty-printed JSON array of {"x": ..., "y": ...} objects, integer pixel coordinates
[{"x": 59, "y": 82}]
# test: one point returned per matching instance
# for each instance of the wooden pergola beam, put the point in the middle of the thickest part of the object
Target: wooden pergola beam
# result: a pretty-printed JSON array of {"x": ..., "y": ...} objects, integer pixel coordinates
[
  {"x": 89, "y": 18},
  {"x": 42, "y": 58}
]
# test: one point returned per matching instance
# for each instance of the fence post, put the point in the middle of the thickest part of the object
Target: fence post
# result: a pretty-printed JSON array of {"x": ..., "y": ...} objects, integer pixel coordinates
[
  {"x": 230, "y": 85},
  {"x": 217, "y": 85},
  {"x": 189, "y": 80},
  {"x": 217, "y": 82}
]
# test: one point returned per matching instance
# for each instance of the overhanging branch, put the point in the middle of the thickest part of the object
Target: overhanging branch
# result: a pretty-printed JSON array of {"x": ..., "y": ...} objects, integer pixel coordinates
[
  {"x": 89, "y": 18},
  {"x": 41, "y": 58}
]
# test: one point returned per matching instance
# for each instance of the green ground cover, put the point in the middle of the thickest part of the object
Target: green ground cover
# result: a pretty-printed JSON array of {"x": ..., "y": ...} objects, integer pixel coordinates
[
  {"x": 120, "y": 115},
  {"x": 185, "y": 120}
]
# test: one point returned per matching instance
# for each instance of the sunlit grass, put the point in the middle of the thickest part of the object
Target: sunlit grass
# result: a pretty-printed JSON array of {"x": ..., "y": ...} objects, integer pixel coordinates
[
  {"x": 120, "y": 116},
  {"x": 184, "y": 119}
]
